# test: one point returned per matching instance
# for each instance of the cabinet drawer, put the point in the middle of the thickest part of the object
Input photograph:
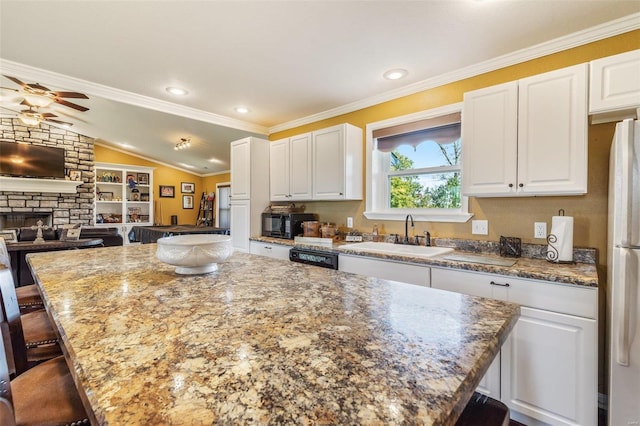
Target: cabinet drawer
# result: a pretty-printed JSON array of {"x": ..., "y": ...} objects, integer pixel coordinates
[
  {"x": 275, "y": 251},
  {"x": 566, "y": 299},
  {"x": 403, "y": 272}
]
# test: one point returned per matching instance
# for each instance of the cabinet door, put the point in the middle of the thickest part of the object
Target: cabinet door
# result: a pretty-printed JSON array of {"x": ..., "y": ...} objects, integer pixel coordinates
[
  {"x": 490, "y": 383},
  {"x": 279, "y": 170},
  {"x": 549, "y": 368},
  {"x": 489, "y": 140},
  {"x": 241, "y": 169},
  {"x": 240, "y": 225},
  {"x": 615, "y": 84},
  {"x": 300, "y": 167},
  {"x": 328, "y": 164},
  {"x": 403, "y": 272},
  {"x": 552, "y": 132}
]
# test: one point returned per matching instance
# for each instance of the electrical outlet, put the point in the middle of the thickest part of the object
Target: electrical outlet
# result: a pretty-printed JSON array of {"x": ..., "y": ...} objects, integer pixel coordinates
[
  {"x": 480, "y": 227},
  {"x": 349, "y": 222},
  {"x": 540, "y": 230}
]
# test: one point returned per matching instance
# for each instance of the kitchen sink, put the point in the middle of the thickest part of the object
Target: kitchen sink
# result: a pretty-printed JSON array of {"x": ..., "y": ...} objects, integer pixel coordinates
[{"x": 399, "y": 249}]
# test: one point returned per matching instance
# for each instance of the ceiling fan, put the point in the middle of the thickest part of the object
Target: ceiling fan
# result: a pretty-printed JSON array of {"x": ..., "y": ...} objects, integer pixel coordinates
[
  {"x": 32, "y": 117},
  {"x": 36, "y": 95}
]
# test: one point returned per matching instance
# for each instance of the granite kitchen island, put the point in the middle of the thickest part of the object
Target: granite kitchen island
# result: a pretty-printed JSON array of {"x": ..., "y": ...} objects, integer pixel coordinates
[{"x": 263, "y": 341}]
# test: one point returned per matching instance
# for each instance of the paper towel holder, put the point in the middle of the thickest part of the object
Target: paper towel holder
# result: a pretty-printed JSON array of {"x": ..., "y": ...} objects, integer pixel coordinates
[{"x": 551, "y": 252}]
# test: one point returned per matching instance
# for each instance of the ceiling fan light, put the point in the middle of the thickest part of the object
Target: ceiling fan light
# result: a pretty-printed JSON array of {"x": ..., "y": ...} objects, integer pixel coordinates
[
  {"x": 29, "y": 120},
  {"x": 37, "y": 100}
]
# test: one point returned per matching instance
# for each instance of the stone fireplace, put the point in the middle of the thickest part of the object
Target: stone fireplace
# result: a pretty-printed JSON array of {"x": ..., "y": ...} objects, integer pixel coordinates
[{"x": 25, "y": 207}]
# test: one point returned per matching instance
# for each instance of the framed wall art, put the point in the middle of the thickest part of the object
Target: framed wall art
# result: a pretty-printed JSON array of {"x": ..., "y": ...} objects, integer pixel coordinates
[
  {"x": 167, "y": 191},
  {"x": 187, "y": 201},
  {"x": 188, "y": 187}
]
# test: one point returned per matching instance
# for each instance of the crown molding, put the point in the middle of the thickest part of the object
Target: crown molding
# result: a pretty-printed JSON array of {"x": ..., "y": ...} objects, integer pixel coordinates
[
  {"x": 113, "y": 94},
  {"x": 133, "y": 154},
  {"x": 600, "y": 32}
]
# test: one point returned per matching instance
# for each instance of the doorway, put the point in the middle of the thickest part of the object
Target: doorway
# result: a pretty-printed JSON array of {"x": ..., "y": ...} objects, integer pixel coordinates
[{"x": 223, "y": 208}]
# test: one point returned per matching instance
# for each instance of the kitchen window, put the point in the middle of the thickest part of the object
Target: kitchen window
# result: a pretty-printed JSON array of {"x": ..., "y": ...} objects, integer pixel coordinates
[{"x": 414, "y": 165}]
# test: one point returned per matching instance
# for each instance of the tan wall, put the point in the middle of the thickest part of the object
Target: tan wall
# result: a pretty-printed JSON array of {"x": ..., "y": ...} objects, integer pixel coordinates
[{"x": 164, "y": 208}]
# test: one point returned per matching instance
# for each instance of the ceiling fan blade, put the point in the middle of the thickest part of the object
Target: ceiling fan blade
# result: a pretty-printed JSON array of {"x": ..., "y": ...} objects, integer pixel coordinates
[
  {"x": 15, "y": 80},
  {"x": 48, "y": 114},
  {"x": 69, "y": 95},
  {"x": 70, "y": 105},
  {"x": 60, "y": 122},
  {"x": 38, "y": 86}
]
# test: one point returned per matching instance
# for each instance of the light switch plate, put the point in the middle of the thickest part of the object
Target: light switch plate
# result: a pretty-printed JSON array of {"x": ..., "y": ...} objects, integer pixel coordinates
[
  {"x": 480, "y": 227},
  {"x": 349, "y": 222}
]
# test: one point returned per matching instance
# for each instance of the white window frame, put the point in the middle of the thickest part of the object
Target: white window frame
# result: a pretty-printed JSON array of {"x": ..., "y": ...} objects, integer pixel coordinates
[{"x": 377, "y": 165}]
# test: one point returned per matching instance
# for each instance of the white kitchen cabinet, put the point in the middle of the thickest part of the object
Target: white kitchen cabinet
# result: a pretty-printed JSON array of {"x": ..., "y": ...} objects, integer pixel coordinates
[
  {"x": 614, "y": 87},
  {"x": 388, "y": 270},
  {"x": 548, "y": 365},
  {"x": 527, "y": 137},
  {"x": 290, "y": 168},
  {"x": 249, "y": 189},
  {"x": 276, "y": 251},
  {"x": 119, "y": 204},
  {"x": 337, "y": 163}
]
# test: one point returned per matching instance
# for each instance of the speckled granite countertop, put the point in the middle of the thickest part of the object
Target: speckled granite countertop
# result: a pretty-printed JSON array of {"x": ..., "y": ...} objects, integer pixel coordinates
[
  {"x": 264, "y": 341},
  {"x": 583, "y": 272}
]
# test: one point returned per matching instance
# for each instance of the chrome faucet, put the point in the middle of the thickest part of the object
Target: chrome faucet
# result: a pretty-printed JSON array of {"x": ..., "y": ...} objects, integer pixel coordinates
[{"x": 406, "y": 229}]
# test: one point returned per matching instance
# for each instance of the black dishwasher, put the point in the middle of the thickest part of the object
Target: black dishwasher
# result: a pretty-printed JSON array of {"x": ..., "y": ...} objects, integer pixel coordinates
[{"x": 314, "y": 257}]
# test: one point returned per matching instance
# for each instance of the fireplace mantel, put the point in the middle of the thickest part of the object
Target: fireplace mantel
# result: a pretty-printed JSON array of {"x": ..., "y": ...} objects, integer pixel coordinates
[{"x": 15, "y": 184}]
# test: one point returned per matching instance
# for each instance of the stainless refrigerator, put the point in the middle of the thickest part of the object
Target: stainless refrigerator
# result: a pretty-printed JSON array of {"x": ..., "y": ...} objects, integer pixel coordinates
[{"x": 623, "y": 260}]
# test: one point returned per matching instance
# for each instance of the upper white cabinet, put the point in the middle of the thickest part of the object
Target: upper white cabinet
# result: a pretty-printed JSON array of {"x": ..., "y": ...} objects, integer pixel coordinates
[
  {"x": 290, "y": 166},
  {"x": 337, "y": 163},
  {"x": 615, "y": 87},
  {"x": 527, "y": 137},
  {"x": 249, "y": 189}
]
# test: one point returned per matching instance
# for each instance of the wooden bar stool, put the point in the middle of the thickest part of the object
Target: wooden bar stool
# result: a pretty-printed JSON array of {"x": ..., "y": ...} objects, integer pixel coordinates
[
  {"x": 29, "y": 298},
  {"x": 44, "y": 395},
  {"x": 33, "y": 339}
]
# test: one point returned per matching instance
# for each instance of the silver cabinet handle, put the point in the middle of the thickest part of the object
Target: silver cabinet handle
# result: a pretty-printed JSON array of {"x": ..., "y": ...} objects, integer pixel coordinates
[{"x": 501, "y": 285}]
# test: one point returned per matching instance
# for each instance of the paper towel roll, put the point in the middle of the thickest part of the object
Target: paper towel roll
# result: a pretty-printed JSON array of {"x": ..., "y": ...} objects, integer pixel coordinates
[{"x": 561, "y": 247}]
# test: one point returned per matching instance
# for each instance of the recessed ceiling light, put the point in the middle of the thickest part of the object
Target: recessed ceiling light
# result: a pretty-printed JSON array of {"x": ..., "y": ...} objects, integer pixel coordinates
[
  {"x": 241, "y": 109},
  {"x": 176, "y": 91},
  {"x": 395, "y": 74}
]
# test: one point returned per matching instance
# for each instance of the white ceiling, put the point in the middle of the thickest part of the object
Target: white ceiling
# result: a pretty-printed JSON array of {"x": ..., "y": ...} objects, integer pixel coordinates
[{"x": 289, "y": 62}]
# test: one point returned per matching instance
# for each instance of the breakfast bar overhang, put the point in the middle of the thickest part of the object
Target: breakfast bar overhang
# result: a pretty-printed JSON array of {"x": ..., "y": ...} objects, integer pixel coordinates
[{"x": 263, "y": 341}]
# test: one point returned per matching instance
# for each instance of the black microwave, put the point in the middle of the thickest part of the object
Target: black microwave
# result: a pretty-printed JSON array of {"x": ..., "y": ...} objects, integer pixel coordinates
[{"x": 284, "y": 225}]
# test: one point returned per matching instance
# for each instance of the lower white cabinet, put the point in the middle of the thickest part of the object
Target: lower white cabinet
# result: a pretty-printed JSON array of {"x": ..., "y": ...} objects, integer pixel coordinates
[
  {"x": 275, "y": 251},
  {"x": 490, "y": 383},
  {"x": 548, "y": 365},
  {"x": 240, "y": 223},
  {"x": 377, "y": 268}
]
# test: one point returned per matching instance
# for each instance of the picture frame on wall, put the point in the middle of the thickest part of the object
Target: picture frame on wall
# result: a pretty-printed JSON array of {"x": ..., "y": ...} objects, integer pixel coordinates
[
  {"x": 167, "y": 191},
  {"x": 188, "y": 187},
  {"x": 187, "y": 201}
]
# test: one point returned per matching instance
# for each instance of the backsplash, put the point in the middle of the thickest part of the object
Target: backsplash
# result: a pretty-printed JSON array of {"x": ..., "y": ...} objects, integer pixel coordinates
[{"x": 75, "y": 208}]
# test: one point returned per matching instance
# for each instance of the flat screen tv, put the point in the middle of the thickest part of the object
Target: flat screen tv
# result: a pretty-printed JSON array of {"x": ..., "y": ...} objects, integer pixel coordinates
[{"x": 35, "y": 161}]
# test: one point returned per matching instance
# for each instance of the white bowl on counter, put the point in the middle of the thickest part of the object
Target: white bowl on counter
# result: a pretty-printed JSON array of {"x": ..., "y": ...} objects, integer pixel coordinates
[{"x": 194, "y": 253}]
